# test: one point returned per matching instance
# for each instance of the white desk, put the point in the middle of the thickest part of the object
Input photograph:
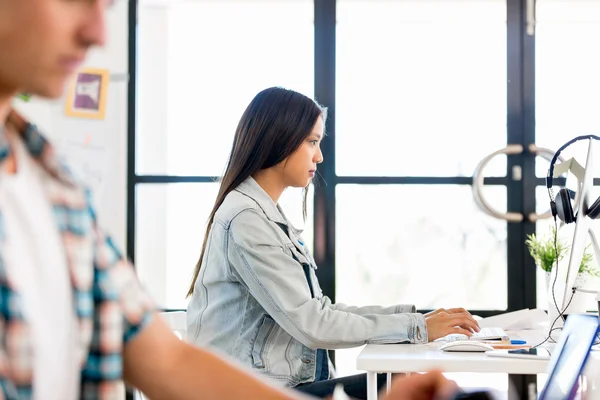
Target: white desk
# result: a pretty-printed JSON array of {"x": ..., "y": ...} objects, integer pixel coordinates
[
  {"x": 421, "y": 358},
  {"x": 398, "y": 358}
]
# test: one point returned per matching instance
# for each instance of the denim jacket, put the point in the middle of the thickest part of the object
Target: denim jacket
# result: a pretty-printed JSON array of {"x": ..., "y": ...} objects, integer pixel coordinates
[{"x": 252, "y": 300}]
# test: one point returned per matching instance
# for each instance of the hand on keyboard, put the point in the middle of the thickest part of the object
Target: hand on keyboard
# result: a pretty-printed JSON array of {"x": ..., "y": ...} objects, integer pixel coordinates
[
  {"x": 443, "y": 322},
  {"x": 447, "y": 310},
  {"x": 489, "y": 333}
]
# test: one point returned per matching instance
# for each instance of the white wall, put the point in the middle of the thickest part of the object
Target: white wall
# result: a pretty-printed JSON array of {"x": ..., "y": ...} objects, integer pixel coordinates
[{"x": 97, "y": 148}]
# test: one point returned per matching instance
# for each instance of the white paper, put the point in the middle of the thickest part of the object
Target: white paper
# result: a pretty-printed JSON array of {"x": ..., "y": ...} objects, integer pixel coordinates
[{"x": 517, "y": 320}]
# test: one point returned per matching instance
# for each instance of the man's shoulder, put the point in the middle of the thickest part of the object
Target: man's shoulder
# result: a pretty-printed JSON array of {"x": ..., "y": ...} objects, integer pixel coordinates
[{"x": 44, "y": 152}]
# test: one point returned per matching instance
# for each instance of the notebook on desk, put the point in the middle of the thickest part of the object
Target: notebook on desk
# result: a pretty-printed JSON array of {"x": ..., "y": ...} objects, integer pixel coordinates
[{"x": 488, "y": 334}]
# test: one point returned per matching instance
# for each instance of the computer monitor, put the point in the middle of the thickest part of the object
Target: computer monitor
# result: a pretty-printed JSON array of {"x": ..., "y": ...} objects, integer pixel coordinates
[
  {"x": 569, "y": 357},
  {"x": 563, "y": 276}
]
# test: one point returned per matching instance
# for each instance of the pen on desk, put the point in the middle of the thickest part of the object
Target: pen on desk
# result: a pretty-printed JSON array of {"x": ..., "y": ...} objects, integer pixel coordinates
[
  {"x": 510, "y": 346},
  {"x": 516, "y": 341}
]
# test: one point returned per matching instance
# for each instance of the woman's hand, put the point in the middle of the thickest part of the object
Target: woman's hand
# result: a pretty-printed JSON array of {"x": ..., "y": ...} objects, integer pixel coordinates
[
  {"x": 448, "y": 310},
  {"x": 443, "y": 322}
]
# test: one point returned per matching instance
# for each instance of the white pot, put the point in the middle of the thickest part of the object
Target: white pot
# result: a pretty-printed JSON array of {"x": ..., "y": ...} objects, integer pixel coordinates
[
  {"x": 578, "y": 302},
  {"x": 580, "y": 281}
]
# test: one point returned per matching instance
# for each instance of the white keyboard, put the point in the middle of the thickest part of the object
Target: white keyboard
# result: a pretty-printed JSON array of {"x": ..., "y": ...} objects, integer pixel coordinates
[{"x": 485, "y": 334}]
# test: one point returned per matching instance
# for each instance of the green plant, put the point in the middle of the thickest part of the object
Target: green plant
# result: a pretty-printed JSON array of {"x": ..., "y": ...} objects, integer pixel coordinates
[
  {"x": 24, "y": 96},
  {"x": 543, "y": 250}
]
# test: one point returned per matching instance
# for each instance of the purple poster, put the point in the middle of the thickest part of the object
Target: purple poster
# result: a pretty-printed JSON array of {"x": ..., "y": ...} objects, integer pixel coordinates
[{"x": 87, "y": 92}]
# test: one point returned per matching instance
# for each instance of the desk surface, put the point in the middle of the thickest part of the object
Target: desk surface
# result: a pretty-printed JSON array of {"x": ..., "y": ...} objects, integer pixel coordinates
[
  {"x": 421, "y": 358},
  {"x": 425, "y": 357}
]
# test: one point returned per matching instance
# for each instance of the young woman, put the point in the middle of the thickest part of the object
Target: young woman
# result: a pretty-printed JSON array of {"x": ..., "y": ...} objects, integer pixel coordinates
[{"x": 255, "y": 295}]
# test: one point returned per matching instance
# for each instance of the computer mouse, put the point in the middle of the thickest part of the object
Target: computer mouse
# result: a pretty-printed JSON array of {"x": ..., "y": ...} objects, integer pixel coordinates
[{"x": 466, "y": 345}]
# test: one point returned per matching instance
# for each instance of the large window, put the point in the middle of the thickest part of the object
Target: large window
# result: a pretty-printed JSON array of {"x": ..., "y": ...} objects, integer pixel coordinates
[
  {"x": 567, "y": 96},
  {"x": 199, "y": 65},
  {"x": 393, "y": 240},
  {"x": 416, "y": 89},
  {"x": 417, "y": 84},
  {"x": 418, "y": 92}
]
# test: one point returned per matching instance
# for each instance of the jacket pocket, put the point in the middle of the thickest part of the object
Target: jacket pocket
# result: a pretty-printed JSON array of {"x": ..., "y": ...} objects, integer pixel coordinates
[{"x": 267, "y": 326}]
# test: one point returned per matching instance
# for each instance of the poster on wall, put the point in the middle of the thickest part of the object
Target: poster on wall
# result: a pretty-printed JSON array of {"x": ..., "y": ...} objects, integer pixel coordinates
[{"x": 87, "y": 94}]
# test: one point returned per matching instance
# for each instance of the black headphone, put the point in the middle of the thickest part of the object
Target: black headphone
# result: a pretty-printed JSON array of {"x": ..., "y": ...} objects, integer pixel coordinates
[{"x": 562, "y": 206}]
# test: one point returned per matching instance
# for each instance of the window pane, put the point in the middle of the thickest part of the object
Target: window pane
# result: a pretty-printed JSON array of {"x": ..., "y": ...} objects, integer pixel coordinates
[
  {"x": 170, "y": 226},
  {"x": 414, "y": 73},
  {"x": 220, "y": 54},
  {"x": 567, "y": 81},
  {"x": 426, "y": 245}
]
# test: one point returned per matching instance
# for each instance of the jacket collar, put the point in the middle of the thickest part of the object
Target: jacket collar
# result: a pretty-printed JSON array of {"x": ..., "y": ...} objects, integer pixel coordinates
[
  {"x": 253, "y": 190},
  {"x": 272, "y": 211}
]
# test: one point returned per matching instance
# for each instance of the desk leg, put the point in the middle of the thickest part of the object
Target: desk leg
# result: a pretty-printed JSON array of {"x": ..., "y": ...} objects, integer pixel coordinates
[
  {"x": 371, "y": 385},
  {"x": 388, "y": 382},
  {"x": 522, "y": 387}
]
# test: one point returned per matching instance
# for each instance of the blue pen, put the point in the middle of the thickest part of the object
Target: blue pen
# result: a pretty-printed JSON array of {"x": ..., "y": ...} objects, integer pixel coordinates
[{"x": 518, "y": 342}]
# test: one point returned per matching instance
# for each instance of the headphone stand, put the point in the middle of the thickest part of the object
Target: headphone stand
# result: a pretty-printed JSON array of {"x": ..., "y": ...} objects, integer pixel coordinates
[{"x": 563, "y": 276}]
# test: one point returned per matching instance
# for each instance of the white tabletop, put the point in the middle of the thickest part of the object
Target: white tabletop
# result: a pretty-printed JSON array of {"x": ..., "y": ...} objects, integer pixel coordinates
[
  {"x": 425, "y": 357},
  {"x": 421, "y": 358}
]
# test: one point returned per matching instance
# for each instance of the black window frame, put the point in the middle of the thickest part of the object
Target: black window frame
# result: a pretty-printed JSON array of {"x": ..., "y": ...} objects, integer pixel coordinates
[{"x": 521, "y": 269}]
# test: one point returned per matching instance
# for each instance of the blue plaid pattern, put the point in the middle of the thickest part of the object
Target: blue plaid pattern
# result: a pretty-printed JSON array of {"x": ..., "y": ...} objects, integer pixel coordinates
[{"x": 110, "y": 304}]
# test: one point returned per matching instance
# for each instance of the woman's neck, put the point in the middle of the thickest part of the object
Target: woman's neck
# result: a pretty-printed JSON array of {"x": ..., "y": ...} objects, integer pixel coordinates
[{"x": 270, "y": 181}]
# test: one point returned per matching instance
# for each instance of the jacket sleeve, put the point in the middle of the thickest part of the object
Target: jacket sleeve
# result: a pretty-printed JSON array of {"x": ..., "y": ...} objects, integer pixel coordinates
[
  {"x": 397, "y": 309},
  {"x": 276, "y": 280}
]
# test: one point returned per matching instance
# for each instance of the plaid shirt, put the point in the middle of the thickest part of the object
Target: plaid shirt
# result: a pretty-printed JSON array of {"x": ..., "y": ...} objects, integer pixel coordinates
[{"x": 110, "y": 305}]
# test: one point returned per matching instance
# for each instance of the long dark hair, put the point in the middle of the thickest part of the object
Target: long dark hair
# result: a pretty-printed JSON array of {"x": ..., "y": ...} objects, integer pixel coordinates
[{"x": 274, "y": 125}]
